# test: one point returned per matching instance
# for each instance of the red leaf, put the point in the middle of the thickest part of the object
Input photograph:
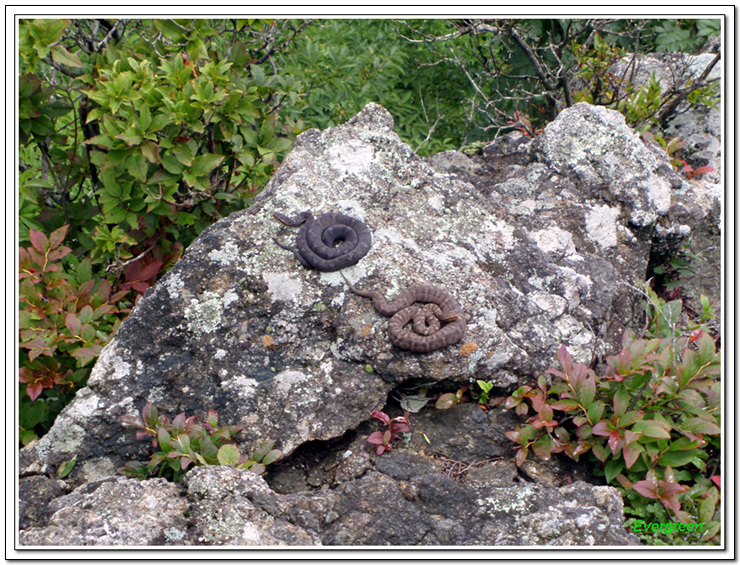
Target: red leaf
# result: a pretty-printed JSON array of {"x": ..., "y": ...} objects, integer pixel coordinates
[
  {"x": 565, "y": 358},
  {"x": 631, "y": 453},
  {"x": 73, "y": 324},
  {"x": 646, "y": 488},
  {"x": 382, "y": 416},
  {"x": 399, "y": 427},
  {"x": 376, "y": 438},
  {"x": 57, "y": 236},
  {"x": 150, "y": 270},
  {"x": 615, "y": 441},
  {"x": 38, "y": 346},
  {"x": 38, "y": 240},
  {"x": 86, "y": 287},
  {"x": 58, "y": 253},
  {"x": 34, "y": 390},
  {"x": 601, "y": 429},
  {"x": 717, "y": 480},
  {"x": 132, "y": 271}
]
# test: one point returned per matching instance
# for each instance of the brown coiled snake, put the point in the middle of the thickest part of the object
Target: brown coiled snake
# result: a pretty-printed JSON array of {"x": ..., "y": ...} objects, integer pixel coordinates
[{"x": 428, "y": 334}]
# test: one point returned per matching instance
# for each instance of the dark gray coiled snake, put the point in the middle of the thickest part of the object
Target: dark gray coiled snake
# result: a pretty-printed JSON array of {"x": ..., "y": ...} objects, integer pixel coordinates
[{"x": 328, "y": 243}]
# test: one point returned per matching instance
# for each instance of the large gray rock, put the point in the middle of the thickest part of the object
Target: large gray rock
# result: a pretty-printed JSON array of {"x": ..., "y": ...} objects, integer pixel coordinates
[{"x": 539, "y": 253}]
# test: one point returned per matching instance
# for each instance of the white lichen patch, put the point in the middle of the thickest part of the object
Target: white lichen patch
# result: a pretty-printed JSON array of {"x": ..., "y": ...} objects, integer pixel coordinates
[
  {"x": 555, "y": 241},
  {"x": 225, "y": 255},
  {"x": 288, "y": 380},
  {"x": 392, "y": 236},
  {"x": 601, "y": 225},
  {"x": 85, "y": 405},
  {"x": 552, "y": 305},
  {"x": 509, "y": 500},
  {"x": 351, "y": 157},
  {"x": 283, "y": 287},
  {"x": 495, "y": 236},
  {"x": 242, "y": 386},
  {"x": 157, "y": 395},
  {"x": 203, "y": 314},
  {"x": 174, "y": 284},
  {"x": 524, "y": 208},
  {"x": 230, "y": 296},
  {"x": 97, "y": 469},
  {"x": 659, "y": 194},
  {"x": 109, "y": 366},
  {"x": 436, "y": 203},
  {"x": 352, "y": 208},
  {"x": 65, "y": 438}
]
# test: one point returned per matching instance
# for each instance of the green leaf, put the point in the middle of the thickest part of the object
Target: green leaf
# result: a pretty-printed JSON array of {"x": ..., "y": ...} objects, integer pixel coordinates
[
  {"x": 596, "y": 411},
  {"x": 145, "y": 118},
  {"x": 542, "y": 447},
  {"x": 204, "y": 164},
  {"x": 677, "y": 458},
  {"x": 620, "y": 401},
  {"x": 587, "y": 392},
  {"x": 185, "y": 219},
  {"x": 228, "y": 455},
  {"x": 84, "y": 270},
  {"x": 137, "y": 167},
  {"x": 60, "y": 55},
  {"x": 271, "y": 457},
  {"x": 150, "y": 151},
  {"x": 447, "y": 400},
  {"x": 653, "y": 429},
  {"x": 706, "y": 510},
  {"x": 613, "y": 468},
  {"x": 66, "y": 468},
  {"x": 131, "y": 136},
  {"x": 172, "y": 164},
  {"x": 183, "y": 153},
  {"x": 86, "y": 314},
  {"x": 700, "y": 426}
]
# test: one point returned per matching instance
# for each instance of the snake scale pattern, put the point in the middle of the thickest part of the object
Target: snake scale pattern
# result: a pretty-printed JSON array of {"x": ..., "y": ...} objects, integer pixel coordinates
[
  {"x": 428, "y": 334},
  {"x": 328, "y": 243}
]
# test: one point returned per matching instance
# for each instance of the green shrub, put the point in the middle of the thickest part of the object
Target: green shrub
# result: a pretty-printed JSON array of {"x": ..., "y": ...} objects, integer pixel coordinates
[
  {"x": 182, "y": 442},
  {"x": 651, "y": 424},
  {"x": 154, "y": 135}
]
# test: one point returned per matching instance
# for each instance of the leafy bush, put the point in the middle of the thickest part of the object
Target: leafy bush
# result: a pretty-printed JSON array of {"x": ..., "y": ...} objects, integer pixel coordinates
[
  {"x": 651, "y": 423},
  {"x": 65, "y": 319},
  {"x": 183, "y": 441}
]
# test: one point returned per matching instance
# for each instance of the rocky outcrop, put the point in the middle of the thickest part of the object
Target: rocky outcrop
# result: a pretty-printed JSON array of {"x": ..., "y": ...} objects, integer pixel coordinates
[
  {"x": 540, "y": 244},
  {"x": 406, "y": 501}
]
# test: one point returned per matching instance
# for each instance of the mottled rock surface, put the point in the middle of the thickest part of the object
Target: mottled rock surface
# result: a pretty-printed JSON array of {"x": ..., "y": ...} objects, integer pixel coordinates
[{"x": 540, "y": 242}]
